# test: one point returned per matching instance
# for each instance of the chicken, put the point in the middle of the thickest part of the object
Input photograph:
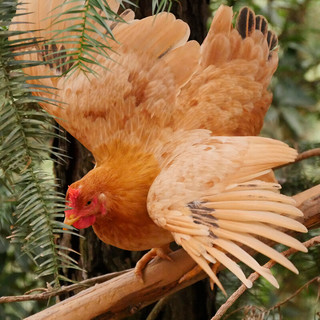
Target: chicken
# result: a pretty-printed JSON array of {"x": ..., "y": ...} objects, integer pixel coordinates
[{"x": 171, "y": 125}]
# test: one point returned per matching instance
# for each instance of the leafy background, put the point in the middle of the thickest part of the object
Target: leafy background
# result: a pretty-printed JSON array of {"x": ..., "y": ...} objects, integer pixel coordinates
[{"x": 293, "y": 117}]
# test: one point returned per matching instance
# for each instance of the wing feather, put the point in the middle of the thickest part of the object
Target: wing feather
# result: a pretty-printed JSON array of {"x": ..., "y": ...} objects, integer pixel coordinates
[
  {"x": 152, "y": 83},
  {"x": 263, "y": 231},
  {"x": 135, "y": 95},
  {"x": 218, "y": 207},
  {"x": 202, "y": 262},
  {"x": 258, "y": 245},
  {"x": 263, "y": 216},
  {"x": 243, "y": 256},
  {"x": 230, "y": 264}
]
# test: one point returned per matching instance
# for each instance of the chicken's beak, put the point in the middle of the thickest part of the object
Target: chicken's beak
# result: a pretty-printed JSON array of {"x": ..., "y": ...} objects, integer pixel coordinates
[{"x": 70, "y": 220}]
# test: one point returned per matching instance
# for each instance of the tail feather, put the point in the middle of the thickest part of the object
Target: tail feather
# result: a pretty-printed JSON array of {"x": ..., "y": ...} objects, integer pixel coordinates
[
  {"x": 246, "y": 22},
  {"x": 262, "y": 24},
  {"x": 220, "y": 26}
]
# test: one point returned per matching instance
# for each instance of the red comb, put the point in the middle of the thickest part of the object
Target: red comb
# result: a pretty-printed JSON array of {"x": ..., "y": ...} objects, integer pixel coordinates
[{"x": 73, "y": 194}]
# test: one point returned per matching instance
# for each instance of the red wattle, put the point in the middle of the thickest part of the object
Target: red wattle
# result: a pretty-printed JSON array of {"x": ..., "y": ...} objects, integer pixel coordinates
[{"x": 85, "y": 222}]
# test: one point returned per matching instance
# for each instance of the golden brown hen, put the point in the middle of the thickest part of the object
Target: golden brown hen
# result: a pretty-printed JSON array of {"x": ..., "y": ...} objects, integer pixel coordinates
[{"x": 152, "y": 122}]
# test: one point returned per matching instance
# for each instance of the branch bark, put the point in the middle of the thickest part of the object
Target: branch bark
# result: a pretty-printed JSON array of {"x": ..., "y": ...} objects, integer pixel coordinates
[
  {"x": 49, "y": 293},
  {"x": 125, "y": 295}
]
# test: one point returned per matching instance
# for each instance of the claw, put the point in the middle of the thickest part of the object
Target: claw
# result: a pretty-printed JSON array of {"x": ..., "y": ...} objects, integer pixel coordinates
[
  {"x": 190, "y": 274},
  {"x": 155, "y": 252},
  {"x": 215, "y": 268}
]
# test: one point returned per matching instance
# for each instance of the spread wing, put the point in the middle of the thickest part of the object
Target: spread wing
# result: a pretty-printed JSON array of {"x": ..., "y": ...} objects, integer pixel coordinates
[
  {"x": 229, "y": 93},
  {"x": 211, "y": 198},
  {"x": 139, "y": 93},
  {"x": 44, "y": 20},
  {"x": 149, "y": 62}
]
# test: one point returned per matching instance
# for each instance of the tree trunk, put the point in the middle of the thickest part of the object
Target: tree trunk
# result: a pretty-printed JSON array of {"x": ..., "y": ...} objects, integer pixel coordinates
[{"x": 97, "y": 258}]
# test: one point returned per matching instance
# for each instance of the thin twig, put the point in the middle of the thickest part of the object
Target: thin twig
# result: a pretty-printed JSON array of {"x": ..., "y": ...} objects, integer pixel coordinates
[
  {"x": 36, "y": 289},
  {"x": 317, "y": 278},
  {"x": 64, "y": 289},
  {"x": 302, "y": 156},
  {"x": 278, "y": 305},
  {"x": 158, "y": 307},
  {"x": 254, "y": 276},
  {"x": 308, "y": 154}
]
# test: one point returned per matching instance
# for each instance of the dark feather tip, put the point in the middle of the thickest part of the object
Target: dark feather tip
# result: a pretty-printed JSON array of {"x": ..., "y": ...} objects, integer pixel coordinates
[
  {"x": 272, "y": 40},
  {"x": 246, "y": 22},
  {"x": 262, "y": 24}
]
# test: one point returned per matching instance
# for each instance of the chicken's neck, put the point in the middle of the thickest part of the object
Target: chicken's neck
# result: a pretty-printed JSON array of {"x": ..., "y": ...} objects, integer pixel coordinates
[
  {"x": 129, "y": 173},
  {"x": 125, "y": 177}
]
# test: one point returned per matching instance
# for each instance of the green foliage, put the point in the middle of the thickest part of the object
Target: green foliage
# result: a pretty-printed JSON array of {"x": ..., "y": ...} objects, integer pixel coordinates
[
  {"x": 17, "y": 271},
  {"x": 161, "y": 5},
  {"x": 89, "y": 24},
  {"x": 25, "y": 131}
]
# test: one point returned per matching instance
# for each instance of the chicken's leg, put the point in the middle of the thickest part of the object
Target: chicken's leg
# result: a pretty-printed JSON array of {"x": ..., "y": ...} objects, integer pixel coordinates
[{"x": 161, "y": 252}]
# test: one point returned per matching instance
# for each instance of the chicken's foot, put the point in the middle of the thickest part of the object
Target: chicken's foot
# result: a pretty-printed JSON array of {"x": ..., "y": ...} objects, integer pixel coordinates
[
  {"x": 161, "y": 252},
  {"x": 190, "y": 274}
]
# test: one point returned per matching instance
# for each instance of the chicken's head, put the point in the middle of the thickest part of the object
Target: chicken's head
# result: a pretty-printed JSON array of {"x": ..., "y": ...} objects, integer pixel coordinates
[{"x": 84, "y": 207}]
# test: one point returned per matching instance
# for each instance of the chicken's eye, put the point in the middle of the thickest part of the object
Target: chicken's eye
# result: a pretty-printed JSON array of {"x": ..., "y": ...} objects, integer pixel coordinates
[{"x": 88, "y": 203}]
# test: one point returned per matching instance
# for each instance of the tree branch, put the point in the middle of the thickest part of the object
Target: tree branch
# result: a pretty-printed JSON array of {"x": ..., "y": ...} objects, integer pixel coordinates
[
  {"x": 124, "y": 295},
  {"x": 47, "y": 293}
]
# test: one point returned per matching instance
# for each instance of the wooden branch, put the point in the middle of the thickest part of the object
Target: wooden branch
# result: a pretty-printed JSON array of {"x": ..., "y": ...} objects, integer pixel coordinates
[
  {"x": 125, "y": 295},
  {"x": 50, "y": 293},
  {"x": 308, "y": 202}
]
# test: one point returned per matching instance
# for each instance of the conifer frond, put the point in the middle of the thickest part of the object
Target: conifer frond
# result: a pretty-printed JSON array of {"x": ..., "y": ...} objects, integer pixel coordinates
[
  {"x": 80, "y": 45},
  {"x": 25, "y": 133},
  {"x": 161, "y": 5}
]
